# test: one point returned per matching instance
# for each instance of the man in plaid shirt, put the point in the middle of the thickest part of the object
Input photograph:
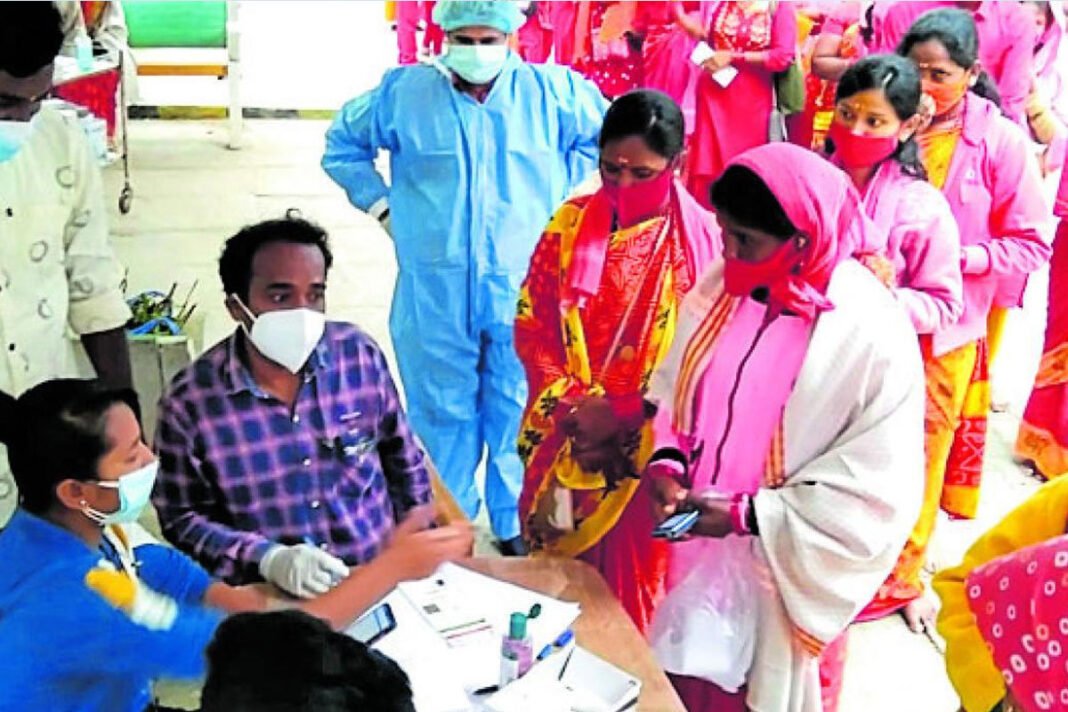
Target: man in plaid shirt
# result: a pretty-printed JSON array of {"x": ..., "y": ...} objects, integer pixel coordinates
[{"x": 284, "y": 450}]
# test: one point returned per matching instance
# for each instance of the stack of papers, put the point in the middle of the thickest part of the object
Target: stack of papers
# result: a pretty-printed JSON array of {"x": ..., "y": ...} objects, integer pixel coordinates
[
  {"x": 470, "y": 612},
  {"x": 449, "y": 632},
  {"x": 573, "y": 680}
]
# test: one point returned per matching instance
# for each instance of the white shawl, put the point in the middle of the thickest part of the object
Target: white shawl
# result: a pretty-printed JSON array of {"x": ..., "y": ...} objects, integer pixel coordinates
[{"x": 854, "y": 445}]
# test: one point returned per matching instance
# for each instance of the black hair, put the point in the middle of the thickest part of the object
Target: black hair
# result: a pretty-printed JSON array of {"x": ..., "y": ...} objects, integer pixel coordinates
[
  {"x": 57, "y": 431},
  {"x": 650, "y": 114},
  {"x": 899, "y": 80},
  {"x": 235, "y": 264},
  {"x": 288, "y": 661},
  {"x": 1046, "y": 10},
  {"x": 741, "y": 194},
  {"x": 955, "y": 30},
  {"x": 30, "y": 37},
  {"x": 867, "y": 32}
]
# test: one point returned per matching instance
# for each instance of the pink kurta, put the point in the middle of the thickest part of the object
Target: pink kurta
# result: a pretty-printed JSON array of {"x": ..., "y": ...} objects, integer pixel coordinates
[
  {"x": 729, "y": 120},
  {"x": 922, "y": 243},
  {"x": 995, "y": 193},
  {"x": 1006, "y": 42},
  {"x": 732, "y": 433},
  {"x": 1051, "y": 80}
]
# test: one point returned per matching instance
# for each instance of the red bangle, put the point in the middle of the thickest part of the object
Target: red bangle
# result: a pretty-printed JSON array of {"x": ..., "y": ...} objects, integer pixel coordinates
[{"x": 739, "y": 512}]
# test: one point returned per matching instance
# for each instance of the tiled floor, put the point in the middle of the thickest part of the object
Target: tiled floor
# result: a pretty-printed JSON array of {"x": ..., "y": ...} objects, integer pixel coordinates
[{"x": 191, "y": 193}]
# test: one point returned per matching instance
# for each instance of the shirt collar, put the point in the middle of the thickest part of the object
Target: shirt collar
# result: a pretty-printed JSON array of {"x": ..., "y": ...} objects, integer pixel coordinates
[{"x": 237, "y": 378}]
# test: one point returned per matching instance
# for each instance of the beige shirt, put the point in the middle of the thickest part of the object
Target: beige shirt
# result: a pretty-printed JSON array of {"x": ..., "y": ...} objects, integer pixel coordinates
[{"x": 57, "y": 267}]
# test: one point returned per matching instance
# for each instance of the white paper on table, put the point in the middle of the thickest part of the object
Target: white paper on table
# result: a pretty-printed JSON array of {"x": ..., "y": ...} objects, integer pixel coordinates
[
  {"x": 588, "y": 684},
  {"x": 701, "y": 53},
  {"x": 435, "y": 676},
  {"x": 478, "y": 655},
  {"x": 725, "y": 76}
]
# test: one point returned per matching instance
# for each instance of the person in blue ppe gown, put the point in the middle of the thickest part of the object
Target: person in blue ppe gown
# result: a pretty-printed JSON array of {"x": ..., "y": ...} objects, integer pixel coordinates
[{"x": 482, "y": 148}]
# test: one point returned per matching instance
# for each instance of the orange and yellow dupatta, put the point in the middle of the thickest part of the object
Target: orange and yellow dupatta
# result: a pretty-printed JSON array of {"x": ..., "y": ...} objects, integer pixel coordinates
[{"x": 546, "y": 452}]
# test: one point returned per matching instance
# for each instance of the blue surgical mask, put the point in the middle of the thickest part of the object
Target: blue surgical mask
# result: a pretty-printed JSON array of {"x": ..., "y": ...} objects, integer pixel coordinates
[
  {"x": 478, "y": 64},
  {"x": 13, "y": 136},
  {"x": 134, "y": 488}
]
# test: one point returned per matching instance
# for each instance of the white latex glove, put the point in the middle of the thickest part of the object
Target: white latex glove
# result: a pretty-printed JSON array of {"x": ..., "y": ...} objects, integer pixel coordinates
[{"x": 302, "y": 570}]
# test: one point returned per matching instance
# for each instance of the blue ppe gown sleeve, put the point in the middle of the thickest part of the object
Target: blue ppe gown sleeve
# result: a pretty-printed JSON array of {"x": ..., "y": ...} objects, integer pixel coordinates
[
  {"x": 581, "y": 114},
  {"x": 352, "y": 144}
]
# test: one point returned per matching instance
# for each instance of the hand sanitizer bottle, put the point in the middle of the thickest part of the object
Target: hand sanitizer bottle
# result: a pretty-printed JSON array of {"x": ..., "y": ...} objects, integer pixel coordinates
[{"x": 517, "y": 650}]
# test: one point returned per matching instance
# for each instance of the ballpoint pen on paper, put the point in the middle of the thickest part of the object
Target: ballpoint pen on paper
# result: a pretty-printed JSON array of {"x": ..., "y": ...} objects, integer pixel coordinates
[
  {"x": 566, "y": 637},
  {"x": 567, "y": 662}
]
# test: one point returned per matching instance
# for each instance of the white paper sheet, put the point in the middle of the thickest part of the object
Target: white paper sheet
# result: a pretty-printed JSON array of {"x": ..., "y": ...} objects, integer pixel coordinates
[
  {"x": 725, "y": 76},
  {"x": 588, "y": 684},
  {"x": 701, "y": 53},
  {"x": 472, "y": 596},
  {"x": 445, "y": 674},
  {"x": 434, "y": 674}
]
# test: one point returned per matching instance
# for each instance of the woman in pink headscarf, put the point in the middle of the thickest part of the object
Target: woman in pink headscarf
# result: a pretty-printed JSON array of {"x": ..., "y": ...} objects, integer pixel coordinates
[{"x": 790, "y": 417}]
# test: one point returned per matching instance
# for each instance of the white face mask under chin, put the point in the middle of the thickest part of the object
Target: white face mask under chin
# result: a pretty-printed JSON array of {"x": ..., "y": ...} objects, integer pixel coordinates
[{"x": 286, "y": 337}]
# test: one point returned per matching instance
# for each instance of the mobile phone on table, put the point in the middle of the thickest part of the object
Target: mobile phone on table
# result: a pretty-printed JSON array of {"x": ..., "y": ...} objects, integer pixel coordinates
[
  {"x": 374, "y": 624},
  {"x": 677, "y": 525}
]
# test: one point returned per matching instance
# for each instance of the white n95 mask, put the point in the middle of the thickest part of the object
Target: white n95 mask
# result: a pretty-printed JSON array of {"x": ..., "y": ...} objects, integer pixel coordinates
[
  {"x": 478, "y": 64},
  {"x": 286, "y": 337}
]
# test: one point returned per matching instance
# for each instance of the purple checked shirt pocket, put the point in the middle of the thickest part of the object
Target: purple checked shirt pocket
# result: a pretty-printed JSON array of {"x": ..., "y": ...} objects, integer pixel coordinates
[{"x": 357, "y": 453}]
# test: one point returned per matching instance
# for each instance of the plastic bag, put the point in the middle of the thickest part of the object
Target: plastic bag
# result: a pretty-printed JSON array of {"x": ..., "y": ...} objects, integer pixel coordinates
[{"x": 706, "y": 627}]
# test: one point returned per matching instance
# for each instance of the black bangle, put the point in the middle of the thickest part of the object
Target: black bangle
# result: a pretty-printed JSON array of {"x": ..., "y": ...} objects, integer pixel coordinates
[{"x": 751, "y": 518}]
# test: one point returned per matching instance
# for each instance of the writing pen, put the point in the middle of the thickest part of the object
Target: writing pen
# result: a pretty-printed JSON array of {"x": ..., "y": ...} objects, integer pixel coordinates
[
  {"x": 561, "y": 642},
  {"x": 566, "y": 637}
]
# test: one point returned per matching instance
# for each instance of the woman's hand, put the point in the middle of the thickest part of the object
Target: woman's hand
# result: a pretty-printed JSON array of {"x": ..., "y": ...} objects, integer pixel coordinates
[
  {"x": 667, "y": 494},
  {"x": 415, "y": 551},
  {"x": 540, "y": 523},
  {"x": 591, "y": 424},
  {"x": 926, "y": 113},
  {"x": 715, "y": 518},
  {"x": 716, "y": 62}
]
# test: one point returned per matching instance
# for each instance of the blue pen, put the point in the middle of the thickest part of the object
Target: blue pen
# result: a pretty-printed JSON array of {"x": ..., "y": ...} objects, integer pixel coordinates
[{"x": 566, "y": 637}]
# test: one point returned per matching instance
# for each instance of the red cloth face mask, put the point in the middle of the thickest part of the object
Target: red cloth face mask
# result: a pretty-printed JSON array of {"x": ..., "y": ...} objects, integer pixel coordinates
[
  {"x": 640, "y": 200},
  {"x": 856, "y": 151},
  {"x": 742, "y": 278},
  {"x": 945, "y": 96}
]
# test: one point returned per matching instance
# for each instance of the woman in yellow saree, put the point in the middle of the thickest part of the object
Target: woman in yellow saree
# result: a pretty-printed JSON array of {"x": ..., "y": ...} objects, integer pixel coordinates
[{"x": 596, "y": 316}]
